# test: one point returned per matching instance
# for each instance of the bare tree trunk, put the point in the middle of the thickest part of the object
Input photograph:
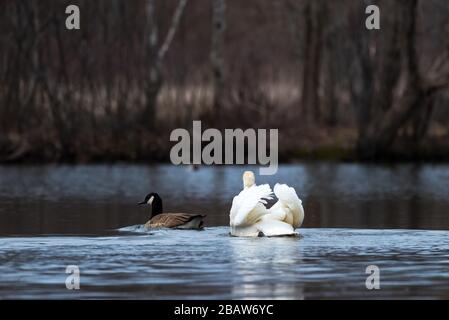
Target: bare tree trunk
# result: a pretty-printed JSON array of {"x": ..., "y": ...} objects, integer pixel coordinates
[
  {"x": 400, "y": 91},
  {"x": 330, "y": 67},
  {"x": 421, "y": 121},
  {"x": 154, "y": 80},
  {"x": 312, "y": 59},
  {"x": 217, "y": 53},
  {"x": 156, "y": 56},
  {"x": 330, "y": 102},
  {"x": 399, "y": 74}
]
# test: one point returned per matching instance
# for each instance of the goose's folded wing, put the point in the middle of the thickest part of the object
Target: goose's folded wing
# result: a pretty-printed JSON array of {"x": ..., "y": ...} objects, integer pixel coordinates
[
  {"x": 248, "y": 206},
  {"x": 289, "y": 200},
  {"x": 171, "y": 220}
]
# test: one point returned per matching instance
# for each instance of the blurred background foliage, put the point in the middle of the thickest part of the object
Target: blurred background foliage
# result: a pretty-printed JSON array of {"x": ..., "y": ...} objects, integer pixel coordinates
[{"x": 137, "y": 69}]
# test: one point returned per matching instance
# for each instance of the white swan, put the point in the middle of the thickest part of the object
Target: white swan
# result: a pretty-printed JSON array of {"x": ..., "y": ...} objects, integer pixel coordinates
[{"x": 250, "y": 218}]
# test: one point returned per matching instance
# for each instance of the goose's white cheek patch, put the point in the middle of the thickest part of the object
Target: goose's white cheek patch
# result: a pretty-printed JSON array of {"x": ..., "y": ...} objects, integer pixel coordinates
[{"x": 150, "y": 201}]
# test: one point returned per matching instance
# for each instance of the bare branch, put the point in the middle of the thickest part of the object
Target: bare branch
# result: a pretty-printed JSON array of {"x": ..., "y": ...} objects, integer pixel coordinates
[
  {"x": 438, "y": 74},
  {"x": 172, "y": 30}
]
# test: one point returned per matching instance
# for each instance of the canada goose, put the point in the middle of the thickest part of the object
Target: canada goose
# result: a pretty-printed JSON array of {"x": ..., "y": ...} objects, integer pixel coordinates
[
  {"x": 250, "y": 218},
  {"x": 170, "y": 220}
]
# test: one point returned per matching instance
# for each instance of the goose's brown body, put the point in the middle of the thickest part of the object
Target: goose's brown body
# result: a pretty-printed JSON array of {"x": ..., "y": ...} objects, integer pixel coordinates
[
  {"x": 160, "y": 219},
  {"x": 176, "y": 220}
]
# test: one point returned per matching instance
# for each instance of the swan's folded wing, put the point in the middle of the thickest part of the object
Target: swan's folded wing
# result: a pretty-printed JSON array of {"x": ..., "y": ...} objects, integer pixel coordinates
[
  {"x": 248, "y": 206},
  {"x": 290, "y": 200}
]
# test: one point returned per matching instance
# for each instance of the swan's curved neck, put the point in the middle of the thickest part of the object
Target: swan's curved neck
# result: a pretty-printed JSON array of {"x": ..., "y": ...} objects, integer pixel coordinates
[
  {"x": 248, "y": 179},
  {"x": 156, "y": 206}
]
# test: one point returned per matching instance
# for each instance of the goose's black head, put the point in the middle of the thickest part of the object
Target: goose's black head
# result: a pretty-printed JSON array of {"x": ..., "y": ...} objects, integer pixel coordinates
[{"x": 155, "y": 201}]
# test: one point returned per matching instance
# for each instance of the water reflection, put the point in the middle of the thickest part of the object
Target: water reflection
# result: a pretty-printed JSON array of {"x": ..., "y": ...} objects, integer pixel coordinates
[
  {"x": 266, "y": 268},
  {"x": 94, "y": 199},
  {"x": 173, "y": 264}
]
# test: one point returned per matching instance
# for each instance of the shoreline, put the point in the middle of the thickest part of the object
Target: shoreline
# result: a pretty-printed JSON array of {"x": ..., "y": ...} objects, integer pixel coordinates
[{"x": 332, "y": 155}]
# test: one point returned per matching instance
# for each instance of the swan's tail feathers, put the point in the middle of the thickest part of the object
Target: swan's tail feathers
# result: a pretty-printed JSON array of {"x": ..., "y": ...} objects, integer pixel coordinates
[
  {"x": 289, "y": 200},
  {"x": 275, "y": 228},
  {"x": 249, "y": 206}
]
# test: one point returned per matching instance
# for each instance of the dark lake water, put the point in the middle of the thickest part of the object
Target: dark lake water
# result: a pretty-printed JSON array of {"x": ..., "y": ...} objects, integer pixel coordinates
[{"x": 394, "y": 217}]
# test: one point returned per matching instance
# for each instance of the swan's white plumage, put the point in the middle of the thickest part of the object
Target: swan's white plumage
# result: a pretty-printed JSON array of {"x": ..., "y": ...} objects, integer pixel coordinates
[
  {"x": 271, "y": 227},
  {"x": 249, "y": 217},
  {"x": 248, "y": 205},
  {"x": 289, "y": 207}
]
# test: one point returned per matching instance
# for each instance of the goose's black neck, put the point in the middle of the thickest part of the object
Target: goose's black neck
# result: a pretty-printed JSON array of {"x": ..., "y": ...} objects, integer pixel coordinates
[{"x": 156, "y": 206}]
